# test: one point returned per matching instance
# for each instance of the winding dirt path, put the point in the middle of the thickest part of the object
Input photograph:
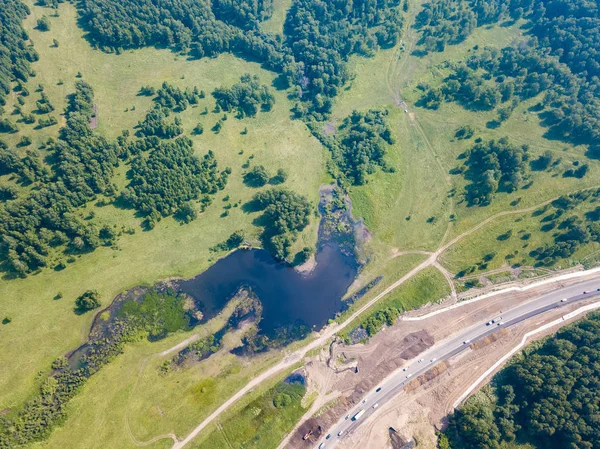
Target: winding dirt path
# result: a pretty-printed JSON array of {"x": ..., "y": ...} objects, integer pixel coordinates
[
  {"x": 490, "y": 219},
  {"x": 396, "y": 66},
  {"x": 296, "y": 357}
]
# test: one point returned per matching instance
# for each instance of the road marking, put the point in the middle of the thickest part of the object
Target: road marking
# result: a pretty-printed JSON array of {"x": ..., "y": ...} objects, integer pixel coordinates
[{"x": 520, "y": 346}]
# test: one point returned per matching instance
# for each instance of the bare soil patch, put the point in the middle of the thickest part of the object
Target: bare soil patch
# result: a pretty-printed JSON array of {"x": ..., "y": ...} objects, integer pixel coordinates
[{"x": 416, "y": 343}]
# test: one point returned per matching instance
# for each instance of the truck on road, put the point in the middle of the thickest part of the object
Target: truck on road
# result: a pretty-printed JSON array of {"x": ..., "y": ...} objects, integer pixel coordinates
[{"x": 358, "y": 415}]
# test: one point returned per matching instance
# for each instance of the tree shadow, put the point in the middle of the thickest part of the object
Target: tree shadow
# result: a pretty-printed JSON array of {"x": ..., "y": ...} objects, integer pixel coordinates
[
  {"x": 548, "y": 226},
  {"x": 493, "y": 124},
  {"x": 593, "y": 152},
  {"x": 419, "y": 53},
  {"x": 251, "y": 207}
]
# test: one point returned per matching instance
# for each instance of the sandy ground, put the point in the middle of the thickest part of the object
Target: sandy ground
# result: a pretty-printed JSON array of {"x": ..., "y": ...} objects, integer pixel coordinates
[{"x": 416, "y": 414}]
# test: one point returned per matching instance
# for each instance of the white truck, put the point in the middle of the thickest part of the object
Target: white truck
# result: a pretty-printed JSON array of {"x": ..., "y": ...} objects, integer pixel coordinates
[{"x": 358, "y": 415}]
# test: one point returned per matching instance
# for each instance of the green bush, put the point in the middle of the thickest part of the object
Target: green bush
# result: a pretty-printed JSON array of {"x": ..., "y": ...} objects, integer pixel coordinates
[
  {"x": 88, "y": 300},
  {"x": 282, "y": 400}
]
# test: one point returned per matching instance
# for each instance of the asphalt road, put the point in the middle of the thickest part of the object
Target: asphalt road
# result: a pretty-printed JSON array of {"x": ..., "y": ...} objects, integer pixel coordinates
[{"x": 446, "y": 349}]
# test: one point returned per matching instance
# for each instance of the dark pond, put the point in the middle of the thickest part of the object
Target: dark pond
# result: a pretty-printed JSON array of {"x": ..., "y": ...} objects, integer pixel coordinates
[{"x": 288, "y": 297}]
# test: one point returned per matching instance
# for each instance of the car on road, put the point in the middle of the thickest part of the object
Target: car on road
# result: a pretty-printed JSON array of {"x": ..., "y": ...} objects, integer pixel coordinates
[
  {"x": 488, "y": 323},
  {"x": 364, "y": 400},
  {"x": 378, "y": 390},
  {"x": 433, "y": 360},
  {"x": 466, "y": 342},
  {"x": 500, "y": 323},
  {"x": 376, "y": 405},
  {"x": 358, "y": 415},
  {"x": 328, "y": 436},
  {"x": 340, "y": 433},
  {"x": 564, "y": 300},
  {"x": 421, "y": 360},
  {"x": 408, "y": 376},
  {"x": 586, "y": 292},
  {"x": 347, "y": 416},
  {"x": 405, "y": 368},
  {"x": 321, "y": 446}
]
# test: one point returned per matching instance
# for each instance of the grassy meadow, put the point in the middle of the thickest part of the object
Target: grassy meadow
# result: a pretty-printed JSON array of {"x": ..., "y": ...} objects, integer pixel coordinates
[
  {"x": 43, "y": 328},
  {"x": 418, "y": 207},
  {"x": 130, "y": 398},
  {"x": 275, "y": 23},
  {"x": 257, "y": 423},
  {"x": 425, "y": 287}
]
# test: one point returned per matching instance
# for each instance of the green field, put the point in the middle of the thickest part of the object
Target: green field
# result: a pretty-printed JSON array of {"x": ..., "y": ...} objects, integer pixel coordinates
[
  {"x": 428, "y": 286},
  {"x": 44, "y": 328},
  {"x": 397, "y": 206},
  {"x": 527, "y": 233},
  {"x": 275, "y": 23},
  {"x": 259, "y": 424},
  {"x": 143, "y": 403},
  {"x": 418, "y": 206}
]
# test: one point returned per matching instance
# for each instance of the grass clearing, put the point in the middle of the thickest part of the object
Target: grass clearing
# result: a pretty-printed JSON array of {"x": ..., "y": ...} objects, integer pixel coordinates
[
  {"x": 142, "y": 402},
  {"x": 391, "y": 268},
  {"x": 420, "y": 206},
  {"x": 259, "y": 424},
  {"x": 44, "y": 328},
  {"x": 275, "y": 23},
  {"x": 427, "y": 286},
  {"x": 527, "y": 234},
  {"x": 398, "y": 207}
]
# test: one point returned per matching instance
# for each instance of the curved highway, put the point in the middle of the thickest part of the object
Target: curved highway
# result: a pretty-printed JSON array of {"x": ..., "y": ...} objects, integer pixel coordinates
[{"x": 446, "y": 349}]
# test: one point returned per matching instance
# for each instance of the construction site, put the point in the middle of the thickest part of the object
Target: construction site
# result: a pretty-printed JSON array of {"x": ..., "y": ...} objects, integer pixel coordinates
[{"x": 340, "y": 374}]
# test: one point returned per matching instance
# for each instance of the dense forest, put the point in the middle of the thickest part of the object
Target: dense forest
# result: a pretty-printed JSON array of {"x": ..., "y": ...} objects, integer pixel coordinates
[
  {"x": 83, "y": 167},
  {"x": 245, "y": 14},
  {"x": 135, "y": 24},
  {"x": 548, "y": 397},
  {"x": 165, "y": 181},
  {"x": 492, "y": 166},
  {"x": 16, "y": 51},
  {"x": 285, "y": 213},
  {"x": 246, "y": 97}
]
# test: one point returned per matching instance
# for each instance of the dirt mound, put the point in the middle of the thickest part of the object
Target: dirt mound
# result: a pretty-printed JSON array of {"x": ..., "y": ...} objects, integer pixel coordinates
[
  {"x": 427, "y": 376},
  {"x": 398, "y": 441},
  {"x": 486, "y": 341},
  {"x": 416, "y": 343},
  {"x": 311, "y": 431}
]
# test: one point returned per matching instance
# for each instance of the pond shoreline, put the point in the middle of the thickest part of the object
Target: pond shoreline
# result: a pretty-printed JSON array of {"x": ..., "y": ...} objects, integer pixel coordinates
[{"x": 327, "y": 275}]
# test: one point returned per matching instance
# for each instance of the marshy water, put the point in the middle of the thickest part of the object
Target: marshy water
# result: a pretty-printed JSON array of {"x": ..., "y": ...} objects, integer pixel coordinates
[{"x": 287, "y": 296}]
